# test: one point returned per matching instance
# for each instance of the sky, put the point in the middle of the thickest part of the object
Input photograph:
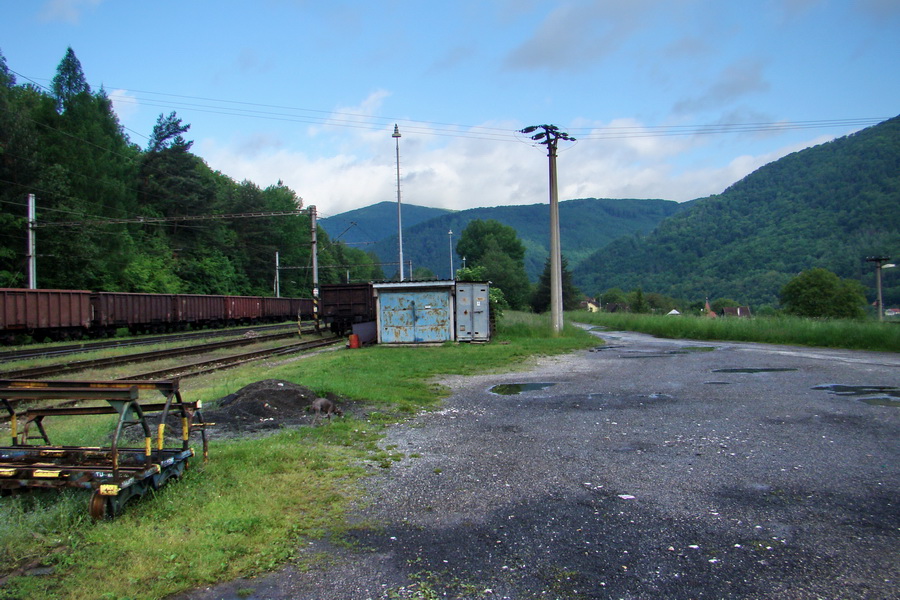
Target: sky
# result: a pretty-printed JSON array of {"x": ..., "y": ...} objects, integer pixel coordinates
[{"x": 672, "y": 99}]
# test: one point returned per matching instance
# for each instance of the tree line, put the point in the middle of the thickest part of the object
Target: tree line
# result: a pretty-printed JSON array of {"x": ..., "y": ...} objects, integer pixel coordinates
[{"x": 66, "y": 146}]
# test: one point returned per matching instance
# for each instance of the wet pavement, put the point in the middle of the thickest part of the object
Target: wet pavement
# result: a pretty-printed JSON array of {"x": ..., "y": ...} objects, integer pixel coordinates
[{"x": 702, "y": 470}]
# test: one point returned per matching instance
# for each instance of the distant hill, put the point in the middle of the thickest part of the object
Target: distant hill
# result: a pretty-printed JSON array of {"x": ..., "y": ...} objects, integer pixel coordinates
[
  {"x": 828, "y": 206},
  {"x": 585, "y": 225},
  {"x": 377, "y": 222}
]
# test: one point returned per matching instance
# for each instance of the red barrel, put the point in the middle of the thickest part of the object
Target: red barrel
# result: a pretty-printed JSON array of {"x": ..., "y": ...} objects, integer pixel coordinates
[{"x": 354, "y": 340}]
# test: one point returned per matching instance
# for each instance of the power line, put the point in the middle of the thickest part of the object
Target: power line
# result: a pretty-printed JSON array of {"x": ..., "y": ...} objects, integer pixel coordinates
[
  {"x": 173, "y": 219},
  {"x": 456, "y": 130}
]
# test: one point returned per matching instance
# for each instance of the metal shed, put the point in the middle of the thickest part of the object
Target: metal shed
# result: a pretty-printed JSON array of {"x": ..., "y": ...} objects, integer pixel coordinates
[{"x": 415, "y": 312}]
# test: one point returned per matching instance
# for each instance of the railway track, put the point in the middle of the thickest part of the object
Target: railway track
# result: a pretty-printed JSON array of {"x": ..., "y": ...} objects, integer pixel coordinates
[
  {"x": 14, "y": 355},
  {"x": 215, "y": 364},
  {"x": 201, "y": 367},
  {"x": 102, "y": 363}
]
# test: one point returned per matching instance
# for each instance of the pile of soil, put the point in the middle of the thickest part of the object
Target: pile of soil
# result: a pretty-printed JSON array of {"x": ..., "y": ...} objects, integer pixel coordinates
[{"x": 262, "y": 406}]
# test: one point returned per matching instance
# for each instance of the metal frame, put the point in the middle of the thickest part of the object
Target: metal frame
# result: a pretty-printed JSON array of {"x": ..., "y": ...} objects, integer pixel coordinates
[{"x": 115, "y": 474}]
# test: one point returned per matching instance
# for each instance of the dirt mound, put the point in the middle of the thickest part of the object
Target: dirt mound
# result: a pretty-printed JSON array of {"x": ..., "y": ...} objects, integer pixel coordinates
[{"x": 264, "y": 405}]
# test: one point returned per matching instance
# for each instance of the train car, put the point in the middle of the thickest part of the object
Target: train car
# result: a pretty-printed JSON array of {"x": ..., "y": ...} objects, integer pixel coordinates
[
  {"x": 277, "y": 309},
  {"x": 200, "y": 311},
  {"x": 343, "y": 305},
  {"x": 69, "y": 314},
  {"x": 244, "y": 310},
  {"x": 140, "y": 313},
  {"x": 303, "y": 308},
  {"x": 54, "y": 314}
]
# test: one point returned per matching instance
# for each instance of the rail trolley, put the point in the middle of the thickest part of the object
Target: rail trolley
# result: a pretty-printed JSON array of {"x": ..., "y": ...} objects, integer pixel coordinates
[{"x": 115, "y": 474}]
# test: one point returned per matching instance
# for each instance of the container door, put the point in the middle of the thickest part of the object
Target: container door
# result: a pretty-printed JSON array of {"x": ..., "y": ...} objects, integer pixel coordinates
[
  {"x": 415, "y": 317},
  {"x": 472, "y": 312}
]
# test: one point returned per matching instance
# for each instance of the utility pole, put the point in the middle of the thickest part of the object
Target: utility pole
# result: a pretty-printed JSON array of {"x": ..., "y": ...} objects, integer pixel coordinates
[
  {"x": 396, "y": 136},
  {"x": 450, "y": 233},
  {"x": 277, "y": 277},
  {"x": 879, "y": 264},
  {"x": 315, "y": 263},
  {"x": 32, "y": 267},
  {"x": 549, "y": 136}
]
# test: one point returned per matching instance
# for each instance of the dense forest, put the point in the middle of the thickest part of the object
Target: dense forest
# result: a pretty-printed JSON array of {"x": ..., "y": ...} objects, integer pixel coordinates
[
  {"x": 113, "y": 216},
  {"x": 829, "y": 206}
]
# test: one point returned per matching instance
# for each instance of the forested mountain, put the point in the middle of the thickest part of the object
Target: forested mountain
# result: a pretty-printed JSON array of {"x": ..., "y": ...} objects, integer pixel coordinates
[
  {"x": 367, "y": 225},
  {"x": 132, "y": 212},
  {"x": 585, "y": 225},
  {"x": 829, "y": 206}
]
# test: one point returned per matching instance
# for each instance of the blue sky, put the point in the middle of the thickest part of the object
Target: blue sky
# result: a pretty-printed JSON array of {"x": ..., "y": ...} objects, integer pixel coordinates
[{"x": 673, "y": 99}]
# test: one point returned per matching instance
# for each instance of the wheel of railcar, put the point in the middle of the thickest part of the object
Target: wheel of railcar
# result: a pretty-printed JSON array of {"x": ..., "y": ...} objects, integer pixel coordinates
[{"x": 100, "y": 507}]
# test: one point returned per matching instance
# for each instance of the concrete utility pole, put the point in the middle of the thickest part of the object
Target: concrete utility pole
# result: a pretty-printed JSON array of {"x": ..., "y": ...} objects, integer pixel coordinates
[
  {"x": 450, "y": 233},
  {"x": 550, "y": 136},
  {"x": 277, "y": 276},
  {"x": 32, "y": 267},
  {"x": 315, "y": 262},
  {"x": 879, "y": 264},
  {"x": 396, "y": 136}
]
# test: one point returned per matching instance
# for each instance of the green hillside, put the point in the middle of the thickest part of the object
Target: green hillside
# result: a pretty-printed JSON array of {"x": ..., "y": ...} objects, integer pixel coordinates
[
  {"x": 828, "y": 206},
  {"x": 370, "y": 224},
  {"x": 585, "y": 225}
]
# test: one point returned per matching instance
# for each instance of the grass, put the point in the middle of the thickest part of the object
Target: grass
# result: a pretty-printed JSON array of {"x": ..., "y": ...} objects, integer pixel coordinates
[
  {"x": 850, "y": 334},
  {"x": 248, "y": 509}
]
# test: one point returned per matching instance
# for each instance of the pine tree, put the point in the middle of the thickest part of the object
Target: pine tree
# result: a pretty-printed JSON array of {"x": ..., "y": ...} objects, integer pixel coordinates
[
  {"x": 571, "y": 296},
  {"x": 69, "y": 81}
]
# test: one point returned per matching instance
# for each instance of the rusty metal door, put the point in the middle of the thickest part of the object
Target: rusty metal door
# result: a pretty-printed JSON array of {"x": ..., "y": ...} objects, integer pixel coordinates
[{"x": 415, "y": 316}]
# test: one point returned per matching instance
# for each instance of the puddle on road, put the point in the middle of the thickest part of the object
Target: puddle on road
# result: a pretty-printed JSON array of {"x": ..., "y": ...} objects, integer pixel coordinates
[
  {"x": 754, "y": 370},
  {"x": 511, "y": 389},
  {"x": 876, "y": 395}
]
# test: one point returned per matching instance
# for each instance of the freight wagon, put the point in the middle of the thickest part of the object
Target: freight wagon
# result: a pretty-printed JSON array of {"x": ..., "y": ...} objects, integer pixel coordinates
[
  {"x": 343, "y": 305},
  {"x": 44, "y": 313},
  {"x": 140, "y": 313},
  {"x": 67, "y": 314}
]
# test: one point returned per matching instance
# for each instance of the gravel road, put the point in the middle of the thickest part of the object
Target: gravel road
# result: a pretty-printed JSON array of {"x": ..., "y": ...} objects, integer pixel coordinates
[{"x": 649, "y": 469}]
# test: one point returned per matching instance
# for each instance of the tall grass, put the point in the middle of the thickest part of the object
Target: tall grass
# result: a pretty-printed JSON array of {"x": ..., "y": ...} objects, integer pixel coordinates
[
  {"x": 837, "y": 333},
  {"x": 248, "y": 509}
]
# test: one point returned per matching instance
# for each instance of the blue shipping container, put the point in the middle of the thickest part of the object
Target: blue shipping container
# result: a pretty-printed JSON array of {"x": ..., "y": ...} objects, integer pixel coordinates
[{"x": 415, "y": 312}]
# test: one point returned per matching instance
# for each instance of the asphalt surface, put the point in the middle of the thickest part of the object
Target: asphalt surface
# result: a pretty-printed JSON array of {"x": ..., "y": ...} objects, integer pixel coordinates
[{"x": 650, "y": 469}]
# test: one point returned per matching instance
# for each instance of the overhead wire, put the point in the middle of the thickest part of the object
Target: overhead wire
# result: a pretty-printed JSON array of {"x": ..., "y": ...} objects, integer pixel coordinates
[
  {"x": 434, "y": 128},
  {"x": 442, "y": 128}
]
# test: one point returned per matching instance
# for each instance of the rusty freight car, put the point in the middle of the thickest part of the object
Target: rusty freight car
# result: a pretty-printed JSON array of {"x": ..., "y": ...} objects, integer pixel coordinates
[
  {"x": 54, "y": 314},
  {"x": 346, "y": 304},
  {"x": 139, "y": 313}
]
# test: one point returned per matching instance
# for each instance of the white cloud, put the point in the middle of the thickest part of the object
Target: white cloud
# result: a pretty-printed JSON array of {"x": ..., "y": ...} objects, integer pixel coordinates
[
  {"x": 579, "y": 34},
  {"x": 466, "y": 172},
  {"x": 125, "y": 104},
  {"x": 737, "y": 80},
  {"x": 68, "y": 11}
]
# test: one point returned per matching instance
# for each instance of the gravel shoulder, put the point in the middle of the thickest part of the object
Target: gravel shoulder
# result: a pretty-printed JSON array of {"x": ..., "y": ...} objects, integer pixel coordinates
[{"x": 648, "y": 469}]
